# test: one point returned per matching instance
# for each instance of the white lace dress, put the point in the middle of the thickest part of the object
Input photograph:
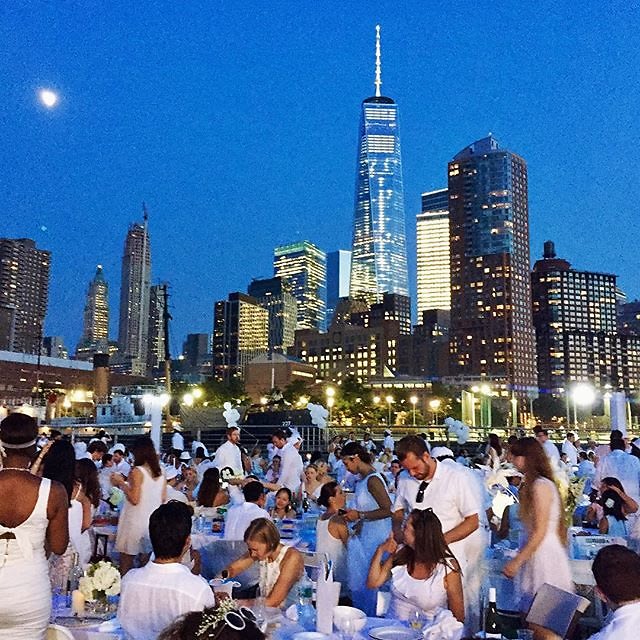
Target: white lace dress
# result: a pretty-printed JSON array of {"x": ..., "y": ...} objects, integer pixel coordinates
[
  {"x": 25, "y": 594},
  {"x": 550, "y": 562}
]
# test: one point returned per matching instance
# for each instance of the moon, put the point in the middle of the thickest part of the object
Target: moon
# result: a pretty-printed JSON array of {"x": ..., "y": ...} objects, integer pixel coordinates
[{"x": 48, "y": 98}]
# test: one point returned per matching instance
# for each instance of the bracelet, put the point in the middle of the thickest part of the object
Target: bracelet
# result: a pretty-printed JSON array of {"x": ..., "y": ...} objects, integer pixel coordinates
[{"x": 361, "y": 515}]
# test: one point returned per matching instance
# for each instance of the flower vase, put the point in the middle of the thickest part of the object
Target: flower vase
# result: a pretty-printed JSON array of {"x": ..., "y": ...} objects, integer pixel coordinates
[{"x": 100, "y": 606}]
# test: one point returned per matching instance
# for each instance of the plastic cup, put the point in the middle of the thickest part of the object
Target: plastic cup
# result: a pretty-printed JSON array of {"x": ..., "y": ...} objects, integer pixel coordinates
[{"x": 223, "y": 588}]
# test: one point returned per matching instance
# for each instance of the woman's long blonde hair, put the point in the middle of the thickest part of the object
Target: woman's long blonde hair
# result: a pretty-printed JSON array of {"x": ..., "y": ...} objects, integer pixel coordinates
[{"x": 537, "y": 465}]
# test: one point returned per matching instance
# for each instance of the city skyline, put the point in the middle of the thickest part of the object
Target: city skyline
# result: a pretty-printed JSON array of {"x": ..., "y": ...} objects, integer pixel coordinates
[{"x": 169, "y": 106}]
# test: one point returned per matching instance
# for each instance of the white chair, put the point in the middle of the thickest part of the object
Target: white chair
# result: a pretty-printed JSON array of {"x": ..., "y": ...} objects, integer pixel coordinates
[
  {"x": 57, "y": 632},
  {"x": 556, "y": 610}
]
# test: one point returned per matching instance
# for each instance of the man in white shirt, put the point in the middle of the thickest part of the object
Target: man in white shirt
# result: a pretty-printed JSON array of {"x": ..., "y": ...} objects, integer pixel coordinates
[
  {"x": 155, "y": 595},
  {"x": 171, "y": 474},
  {"x": 569, "y": 448},
  {"x": 240, "y": 516},
  {"x": 542, "y": 436},
  {"x": 617, "y": 573},
  {"x": 120, "y": 464},
  {"x": 622, "y": 466},
  {"x": 177, "y": 441},
  {"x": 451, "y": 492},
  {"x": 228, "y": 454},
  {"x": 388, "y": 444},
  {"x": 290, "y": 465}
]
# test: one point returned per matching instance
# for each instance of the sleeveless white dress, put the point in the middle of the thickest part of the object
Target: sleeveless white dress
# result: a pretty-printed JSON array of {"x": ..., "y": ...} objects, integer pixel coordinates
[
  {"x": 410, "y": 594},
  {"x": 25, "y": 595},
  {"x": 269, "y": 574},
  {"x": 133, "y": 528},
  {"x": 336, "y": 551},
  {"x": 550, "y": 562},
  {"x": 362, "y": 547}
]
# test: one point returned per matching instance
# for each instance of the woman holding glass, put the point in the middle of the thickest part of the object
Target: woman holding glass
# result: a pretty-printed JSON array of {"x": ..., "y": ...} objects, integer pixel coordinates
[{"x": 373, "y": 517}]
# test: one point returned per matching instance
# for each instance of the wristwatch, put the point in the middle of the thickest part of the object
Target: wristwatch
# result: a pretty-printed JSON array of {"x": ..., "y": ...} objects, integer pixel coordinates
[{"x": 361, "y": 515}]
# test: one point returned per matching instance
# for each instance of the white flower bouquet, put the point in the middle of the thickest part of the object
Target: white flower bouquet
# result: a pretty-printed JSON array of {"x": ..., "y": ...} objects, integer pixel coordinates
[{"x": 100, "y": 580}]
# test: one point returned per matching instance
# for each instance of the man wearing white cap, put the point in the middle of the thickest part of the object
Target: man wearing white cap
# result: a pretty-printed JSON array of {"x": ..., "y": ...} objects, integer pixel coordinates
[
  {"x": 388, "y": 443},
  {"x": 290, "y": 464},
  {"x": 120, "y": 464},
  {"x": 171, "y": 474},
  {"x": 177, "y": 441}
]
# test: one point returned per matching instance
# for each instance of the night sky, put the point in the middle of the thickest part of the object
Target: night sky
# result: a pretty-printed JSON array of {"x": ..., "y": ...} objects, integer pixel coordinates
[{"x": 236, "y": 122}]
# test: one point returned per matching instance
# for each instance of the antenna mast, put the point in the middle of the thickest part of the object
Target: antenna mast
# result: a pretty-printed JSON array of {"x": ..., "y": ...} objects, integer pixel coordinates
[{"x": 378, "y": 81}]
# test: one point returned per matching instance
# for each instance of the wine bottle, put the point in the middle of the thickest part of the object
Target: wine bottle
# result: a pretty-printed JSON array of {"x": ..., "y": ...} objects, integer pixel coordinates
[{"x": 492, "y": 625}]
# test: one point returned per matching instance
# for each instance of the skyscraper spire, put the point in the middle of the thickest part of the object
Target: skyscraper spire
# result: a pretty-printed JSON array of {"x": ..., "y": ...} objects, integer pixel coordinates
[{"x": 378, "y": 81}]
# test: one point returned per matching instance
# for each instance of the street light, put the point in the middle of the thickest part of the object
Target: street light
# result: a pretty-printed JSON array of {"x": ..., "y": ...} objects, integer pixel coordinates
[
  {"x": 390, "y": 401},
  {"x": 434, "y": 405},
  {"x": 583, "y": 395},
  {"x": 414, "y": 401},
  {"x": 188, "y": 399},
  {"x": 197, "y": 393},
  {"x": 330, "y": 392}
]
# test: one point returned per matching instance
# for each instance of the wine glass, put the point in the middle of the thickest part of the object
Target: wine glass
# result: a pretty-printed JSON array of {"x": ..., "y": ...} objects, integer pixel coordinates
[
  {"x": 259, "y": 609},
  {"x": 417, "y": 619},
  {"x": 346, "y": 626}
]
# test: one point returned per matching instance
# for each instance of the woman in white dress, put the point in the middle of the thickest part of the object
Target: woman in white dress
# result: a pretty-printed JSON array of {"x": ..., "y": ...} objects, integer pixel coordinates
[
  {"x": 281, "y": 566},
  {"x": 33, "y": 514},
  {"x": 332, "y": 533},
  {"x": 145, "y": 490},
  {"x": 373, "y": 514},
  {"x": 544, "y": 557},
  {"x": 425, "y": 576}
]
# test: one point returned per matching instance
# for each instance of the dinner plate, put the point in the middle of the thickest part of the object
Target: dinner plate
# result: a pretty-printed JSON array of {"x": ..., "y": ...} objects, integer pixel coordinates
[{"x": 394, "y": 633}]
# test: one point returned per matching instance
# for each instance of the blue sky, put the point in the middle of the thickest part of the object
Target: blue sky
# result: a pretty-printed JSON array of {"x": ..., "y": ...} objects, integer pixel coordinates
[{"x": 237, "y": 123}]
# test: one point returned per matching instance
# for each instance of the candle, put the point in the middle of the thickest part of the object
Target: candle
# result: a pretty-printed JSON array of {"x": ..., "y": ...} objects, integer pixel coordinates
[{"x": 77, "y": 603}]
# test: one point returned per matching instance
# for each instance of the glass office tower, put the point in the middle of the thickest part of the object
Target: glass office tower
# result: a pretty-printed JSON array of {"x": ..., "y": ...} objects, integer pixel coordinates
[{"x": 379, "y": 253}]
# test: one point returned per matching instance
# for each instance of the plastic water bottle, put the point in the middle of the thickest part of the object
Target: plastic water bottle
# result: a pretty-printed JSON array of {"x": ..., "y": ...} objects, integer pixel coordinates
[{"x": 306, "y": 612}]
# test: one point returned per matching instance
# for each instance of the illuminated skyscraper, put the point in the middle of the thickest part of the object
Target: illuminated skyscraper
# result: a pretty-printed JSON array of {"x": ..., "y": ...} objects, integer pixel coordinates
[
  {"x": 133, "y": 329},
  {"x": 274, "y": 294},
  {"x": 24, "y": 292},
  {"x": 491, "y": 323},
  {"x": 379, "y": 256},
  {"x": 304, "y": 266},
  {"x": 240, "y": 334},
  {"x": 433, "y": 248},
  {"x": 338, "y": 276},
  {"x": 95, "y": 331}
]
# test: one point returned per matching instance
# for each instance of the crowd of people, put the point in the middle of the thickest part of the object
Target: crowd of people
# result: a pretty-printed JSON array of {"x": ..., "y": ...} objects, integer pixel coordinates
[{"x": 416, "y": 519}]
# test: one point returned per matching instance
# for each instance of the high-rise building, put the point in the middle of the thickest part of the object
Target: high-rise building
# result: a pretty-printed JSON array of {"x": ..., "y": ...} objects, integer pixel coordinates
[
  {"x": 240, "y": 333},
  {"x": 196, "y": 348},
  {"x": 156, "y": 341},
  {"x": 54, "y": 347},
  {"x": 274, "y": 294},
  {"x": 133, "y": 328},
  {"x": 24, "y": 291},
  {"x": 392, "y": 306},
  {"x": 338, "y": 277},
  {"x": 433, "y": 268},
  {"x": 577, "y": 340},
  {"x": 379, "y": 253},
  {"x": 304, "y": 266},
  {"x": 491, "y": 326},
  {"x": 95, "y": 328}
]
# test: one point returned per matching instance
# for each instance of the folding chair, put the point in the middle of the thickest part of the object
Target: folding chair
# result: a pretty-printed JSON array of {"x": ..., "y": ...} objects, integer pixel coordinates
[{"x": 556, "y": 610}]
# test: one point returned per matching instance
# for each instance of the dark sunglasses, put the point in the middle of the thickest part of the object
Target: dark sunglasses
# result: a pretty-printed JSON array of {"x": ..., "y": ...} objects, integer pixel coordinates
[{"x": 420, "y": 495}]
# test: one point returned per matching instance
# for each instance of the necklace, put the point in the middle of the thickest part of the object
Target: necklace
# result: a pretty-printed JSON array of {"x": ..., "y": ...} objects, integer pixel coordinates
[{"x": 15, "y": 469}]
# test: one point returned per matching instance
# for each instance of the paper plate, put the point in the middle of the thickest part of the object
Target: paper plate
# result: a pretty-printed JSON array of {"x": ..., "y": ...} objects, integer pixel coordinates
[{"x": 394, "y": 633}]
